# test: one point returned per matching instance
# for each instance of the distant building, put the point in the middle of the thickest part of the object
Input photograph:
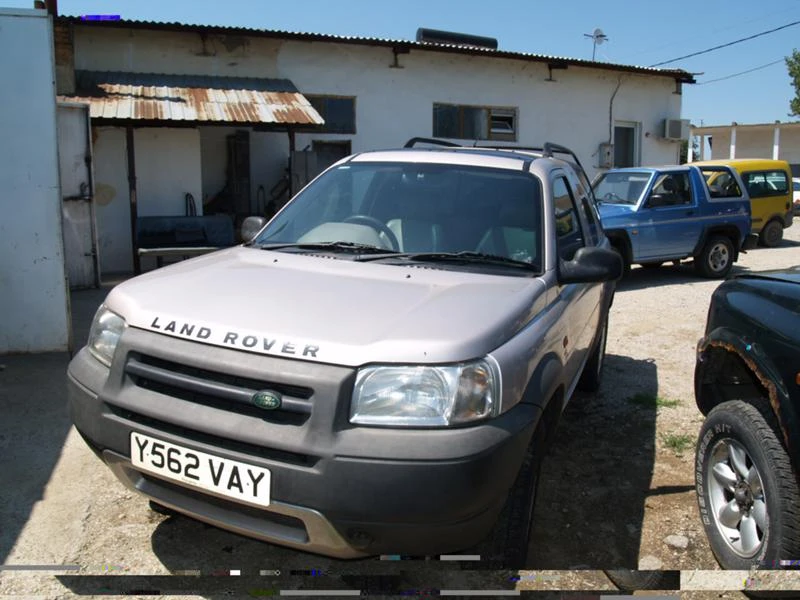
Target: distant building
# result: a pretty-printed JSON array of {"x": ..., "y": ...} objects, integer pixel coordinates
[{"x": 758, "y": 140}]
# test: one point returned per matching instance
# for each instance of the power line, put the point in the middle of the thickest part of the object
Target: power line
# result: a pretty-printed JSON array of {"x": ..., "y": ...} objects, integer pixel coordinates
[
  {"x": 775, "y": 62},
  {"x": 740, "y": 40}
]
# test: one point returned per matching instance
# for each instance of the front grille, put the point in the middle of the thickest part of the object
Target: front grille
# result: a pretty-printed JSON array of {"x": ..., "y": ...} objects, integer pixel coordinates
[
  {"x": 214, "y": 441},
  {"x": 222, "y": 391}
]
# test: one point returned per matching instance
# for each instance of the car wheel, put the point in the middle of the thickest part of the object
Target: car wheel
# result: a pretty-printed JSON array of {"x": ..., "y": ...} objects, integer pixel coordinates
[
  {"x": 771, "y": 235},
  {"x": 716, "y": 258},
  {"x": 747, "y": 491},
  {"x": 593, "y": 371},
  {"x": 506, "y": 547},
  {"x": 651, "y": 265}
]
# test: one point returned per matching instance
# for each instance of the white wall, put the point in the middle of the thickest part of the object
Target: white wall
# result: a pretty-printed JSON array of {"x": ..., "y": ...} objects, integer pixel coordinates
[
  {"x": 168, "y": 166},
  {"x": 394, "y": 104},
  {"x": 34, "y": 309}
]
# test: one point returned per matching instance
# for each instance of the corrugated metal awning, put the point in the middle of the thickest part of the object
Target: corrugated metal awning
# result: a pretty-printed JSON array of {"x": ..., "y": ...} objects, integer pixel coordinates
[{"x": 164, "y": 97}]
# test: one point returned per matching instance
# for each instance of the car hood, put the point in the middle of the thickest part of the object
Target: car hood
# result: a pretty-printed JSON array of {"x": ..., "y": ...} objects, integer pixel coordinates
[
  {"x": 790, "y": 275},
  {"x": 608, "y": 211},
  {"x": 318, "y": 308}
]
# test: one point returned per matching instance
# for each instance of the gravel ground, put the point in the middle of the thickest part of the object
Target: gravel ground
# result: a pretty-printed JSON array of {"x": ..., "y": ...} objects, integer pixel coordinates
[{"x": 616, "y": 487}]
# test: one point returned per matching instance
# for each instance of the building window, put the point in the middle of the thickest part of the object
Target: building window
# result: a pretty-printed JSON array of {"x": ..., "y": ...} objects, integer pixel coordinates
[
  {"x": 339, "y": 112},
  {"x": 475, "y": 122}
]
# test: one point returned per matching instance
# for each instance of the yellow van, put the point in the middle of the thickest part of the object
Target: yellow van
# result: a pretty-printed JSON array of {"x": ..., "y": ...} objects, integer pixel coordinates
[{"x": 769, "y": 184}]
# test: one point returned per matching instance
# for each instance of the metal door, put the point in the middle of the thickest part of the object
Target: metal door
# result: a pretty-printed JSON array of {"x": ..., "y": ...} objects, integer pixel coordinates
[{"x": 77, "y": 192}]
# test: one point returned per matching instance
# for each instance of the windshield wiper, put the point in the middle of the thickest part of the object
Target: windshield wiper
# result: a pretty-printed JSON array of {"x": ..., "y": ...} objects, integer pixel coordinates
[
  {"x": 335, "y": 246},
  {"x": 463, "y": 256}
]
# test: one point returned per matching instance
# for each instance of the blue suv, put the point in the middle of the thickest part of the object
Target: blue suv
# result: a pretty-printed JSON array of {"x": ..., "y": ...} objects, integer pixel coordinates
[{"x": 653, "y": 215}]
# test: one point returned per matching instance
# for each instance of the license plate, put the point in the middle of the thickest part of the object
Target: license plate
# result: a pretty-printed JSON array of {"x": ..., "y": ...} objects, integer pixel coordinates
[{"x": 231, "y": 478}]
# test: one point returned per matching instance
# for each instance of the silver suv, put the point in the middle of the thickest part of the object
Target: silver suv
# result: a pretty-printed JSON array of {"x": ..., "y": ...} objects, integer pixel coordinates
[{"x": 378, "y": 370}]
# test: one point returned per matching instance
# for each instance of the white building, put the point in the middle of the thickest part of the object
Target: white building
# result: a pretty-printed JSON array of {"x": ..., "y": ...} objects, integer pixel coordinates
[
  {"x": 758, "y": 140},
  {"x": 371, "y": 93},
  {"x": 34, "y": 306}
]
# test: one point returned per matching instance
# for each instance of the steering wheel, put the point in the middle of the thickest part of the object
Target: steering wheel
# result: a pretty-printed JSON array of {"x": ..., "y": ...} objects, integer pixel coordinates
[
  {"x": 610, "y": 197},
  {"x": 376, "y": 225}
]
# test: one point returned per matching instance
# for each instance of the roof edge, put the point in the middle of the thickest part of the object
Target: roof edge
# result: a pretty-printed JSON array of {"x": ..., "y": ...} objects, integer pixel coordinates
[{"x": 402, "y": 45}]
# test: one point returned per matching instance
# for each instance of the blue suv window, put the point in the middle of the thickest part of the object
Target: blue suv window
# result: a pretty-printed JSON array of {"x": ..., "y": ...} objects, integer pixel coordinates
[{"x": 670, "y": 189}]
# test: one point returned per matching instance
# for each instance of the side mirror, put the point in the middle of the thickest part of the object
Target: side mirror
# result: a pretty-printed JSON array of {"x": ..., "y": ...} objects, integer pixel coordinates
[
  {"x": 656, "y": 200},
  {"x": 591, "y": 265},
  {"x": 251, "y": 226}
]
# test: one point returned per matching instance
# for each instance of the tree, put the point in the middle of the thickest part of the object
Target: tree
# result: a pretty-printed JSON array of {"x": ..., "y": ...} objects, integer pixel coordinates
[
  {"x": 793, "y": 64},
  {"x": 685, "y": 150}
]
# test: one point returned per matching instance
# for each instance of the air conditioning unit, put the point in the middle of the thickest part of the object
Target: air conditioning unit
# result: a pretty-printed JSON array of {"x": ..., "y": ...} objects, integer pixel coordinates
[{"x": 676, "y": 129}]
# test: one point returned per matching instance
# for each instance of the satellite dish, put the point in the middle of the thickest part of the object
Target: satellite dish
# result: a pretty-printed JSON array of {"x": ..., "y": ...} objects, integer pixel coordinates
[{"x": 598, "y": 36}]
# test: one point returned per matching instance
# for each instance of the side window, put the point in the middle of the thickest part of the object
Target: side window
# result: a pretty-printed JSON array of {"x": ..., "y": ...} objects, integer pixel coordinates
[
  {"x": 569, "y": 236},
  {"x": 721, "y": 183},
  {"x": 761, "y": 184},
  {"x": 670, "y": 189}
]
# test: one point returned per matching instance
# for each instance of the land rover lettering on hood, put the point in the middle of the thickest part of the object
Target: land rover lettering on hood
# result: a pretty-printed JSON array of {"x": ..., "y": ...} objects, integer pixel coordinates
[{"x": 376, "y": 370}]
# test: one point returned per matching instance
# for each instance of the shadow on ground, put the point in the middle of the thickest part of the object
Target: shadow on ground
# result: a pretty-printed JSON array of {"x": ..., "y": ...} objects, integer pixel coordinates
[
  {"x": 596, "y": 477},
  {"x": 35, "y": 422}
]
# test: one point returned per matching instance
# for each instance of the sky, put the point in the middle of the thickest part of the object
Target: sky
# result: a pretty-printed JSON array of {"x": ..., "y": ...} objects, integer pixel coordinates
[{"x": 639, "y": 33}]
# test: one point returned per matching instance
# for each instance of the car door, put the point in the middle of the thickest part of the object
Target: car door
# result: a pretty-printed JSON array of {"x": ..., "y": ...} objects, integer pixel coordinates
[
  {"x": 581, "y": 301},
  {"x": 669, "y": 224}
]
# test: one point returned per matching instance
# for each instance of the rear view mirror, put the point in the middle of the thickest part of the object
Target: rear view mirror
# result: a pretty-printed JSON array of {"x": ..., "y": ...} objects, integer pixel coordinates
[
  {"x": 591, "y": 265},
  {"x": 251, "y": 226}
]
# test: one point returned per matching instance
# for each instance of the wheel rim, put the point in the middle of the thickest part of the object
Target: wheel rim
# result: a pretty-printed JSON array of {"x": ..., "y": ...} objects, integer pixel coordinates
[
  {"x": 736, "y": 495},
  {"x": 718, "y": 257},
  {"x": 773, "y": 234}
]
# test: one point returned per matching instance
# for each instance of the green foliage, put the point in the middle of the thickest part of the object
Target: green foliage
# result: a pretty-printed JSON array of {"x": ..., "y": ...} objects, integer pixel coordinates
[
  {"x": 677, "y": 442},
  {"x": 651, "y": 401},
  {"x": 684, "y": 154},
  {"x": 793, "y": 65}
]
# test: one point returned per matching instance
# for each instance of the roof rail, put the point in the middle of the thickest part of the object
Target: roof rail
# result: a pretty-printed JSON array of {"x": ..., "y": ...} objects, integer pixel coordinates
[
  {"x": 417, "y": 140},
  {"x": 547, "y": 150}
]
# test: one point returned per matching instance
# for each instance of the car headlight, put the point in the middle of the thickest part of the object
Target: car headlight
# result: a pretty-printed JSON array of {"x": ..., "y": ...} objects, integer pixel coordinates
[
  {"x": 426, "y": 396},
  {"x": 104, "y": 335}
]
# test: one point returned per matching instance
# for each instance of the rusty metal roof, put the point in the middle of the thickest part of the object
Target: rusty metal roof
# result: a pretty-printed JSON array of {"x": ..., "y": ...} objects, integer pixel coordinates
[
  {"x": 397, "y": 44},
  {"x": 165, "y": 97}
]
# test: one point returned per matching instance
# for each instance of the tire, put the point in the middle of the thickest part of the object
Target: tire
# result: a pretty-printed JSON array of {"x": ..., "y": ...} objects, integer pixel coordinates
[
  {"x": 651, "y": 265},
  {"x": 772, "y": 234},
  {"x": 633, "y": 581},
  {"x": 593, "y": 371},
  {"x": 626, "y": 266},
  {"x": 506, "y": 546},
  {"x": 741, "y": 468},
  {"x": 716, "y": 258}
]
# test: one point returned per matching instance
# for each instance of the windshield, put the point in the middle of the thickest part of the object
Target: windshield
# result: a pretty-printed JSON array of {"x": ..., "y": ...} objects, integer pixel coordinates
[
  {"x": 414, "y": 208},
  {"x": 621, "y": 187}
]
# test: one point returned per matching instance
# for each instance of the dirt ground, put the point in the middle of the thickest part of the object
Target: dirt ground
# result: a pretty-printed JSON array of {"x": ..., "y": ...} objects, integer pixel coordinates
[{"x": 616, "y": 487}]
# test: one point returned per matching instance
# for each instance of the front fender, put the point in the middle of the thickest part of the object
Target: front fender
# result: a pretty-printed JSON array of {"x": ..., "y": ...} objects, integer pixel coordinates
[{"x": 760, "y": 366}]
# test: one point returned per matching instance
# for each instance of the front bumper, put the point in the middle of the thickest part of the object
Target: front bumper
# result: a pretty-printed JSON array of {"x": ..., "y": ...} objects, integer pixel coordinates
[{"x": 337, "y": 490}]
